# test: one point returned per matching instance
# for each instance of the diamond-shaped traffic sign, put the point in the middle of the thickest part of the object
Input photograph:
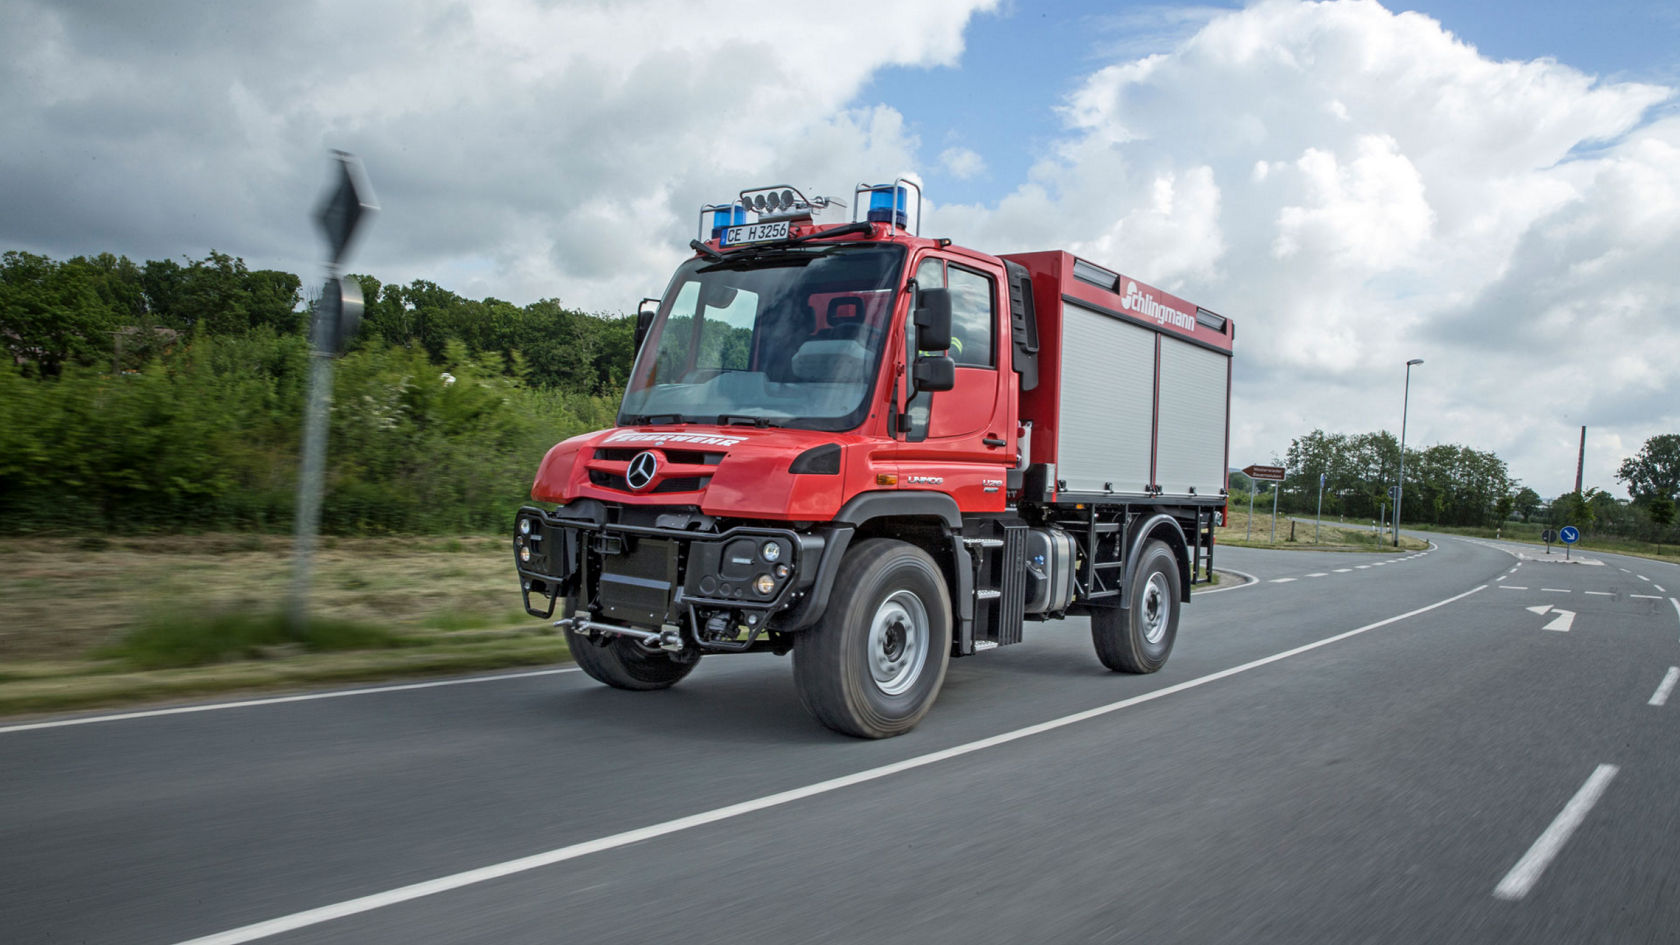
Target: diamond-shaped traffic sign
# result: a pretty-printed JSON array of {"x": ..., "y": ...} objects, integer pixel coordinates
[{"x": 342, "y": 211}]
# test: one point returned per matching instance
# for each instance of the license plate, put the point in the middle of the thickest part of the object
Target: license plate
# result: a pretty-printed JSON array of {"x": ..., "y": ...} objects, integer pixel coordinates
[{"x": 755, "y": 233}]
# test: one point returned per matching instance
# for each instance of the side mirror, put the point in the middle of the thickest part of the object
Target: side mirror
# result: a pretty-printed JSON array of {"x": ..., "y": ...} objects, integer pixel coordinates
[
  {"x": 935, "y": 372},
  {"x": 933, "y": 320},
  {"x": 644, "y": 321}
]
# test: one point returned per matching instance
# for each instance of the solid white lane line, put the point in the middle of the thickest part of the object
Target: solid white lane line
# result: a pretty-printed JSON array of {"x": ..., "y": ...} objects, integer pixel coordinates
[
  {"x": 431, "y": 887},
  {"x": 1526, "y": 873},
  {"x": 1667, "y": 686},
  {"x": 277, "y": 700}
]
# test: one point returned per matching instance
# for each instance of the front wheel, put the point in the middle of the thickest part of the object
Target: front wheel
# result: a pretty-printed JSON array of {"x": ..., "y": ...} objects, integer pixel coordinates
[
  {"x": 623, "y": 663},
  {"x": 874, "y": 662},
  {"x": 1139, "y": 639}
]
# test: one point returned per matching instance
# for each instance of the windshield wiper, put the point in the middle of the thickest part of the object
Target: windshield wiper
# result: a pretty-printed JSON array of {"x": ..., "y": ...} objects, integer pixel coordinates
[
  {"x": 738, "y": 419},
  {"x": 652, "y": 419}
]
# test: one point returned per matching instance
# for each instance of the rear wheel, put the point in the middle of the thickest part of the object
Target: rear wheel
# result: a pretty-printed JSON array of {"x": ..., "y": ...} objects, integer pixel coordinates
[
  {"x": 623, "y": 663},
  {"x": 874, "y": 662},
  {"x": 1140, "y": 639}
]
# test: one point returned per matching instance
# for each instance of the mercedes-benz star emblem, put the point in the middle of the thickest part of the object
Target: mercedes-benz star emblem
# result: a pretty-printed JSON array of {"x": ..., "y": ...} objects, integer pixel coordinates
[{"x": 642, "y": 468}]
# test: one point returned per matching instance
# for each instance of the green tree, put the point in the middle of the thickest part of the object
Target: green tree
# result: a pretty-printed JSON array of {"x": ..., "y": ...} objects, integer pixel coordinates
[
  {"x": 1655, "y": 469},
  {"x": 1527, "y": 502}
]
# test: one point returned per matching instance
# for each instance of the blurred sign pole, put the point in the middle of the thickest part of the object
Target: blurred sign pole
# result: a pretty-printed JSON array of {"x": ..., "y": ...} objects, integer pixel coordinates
[{"x": 337, "y": 316}]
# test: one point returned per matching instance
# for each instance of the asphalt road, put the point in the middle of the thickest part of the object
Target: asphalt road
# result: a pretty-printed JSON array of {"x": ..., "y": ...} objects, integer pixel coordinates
[{"x": 1355, "y": 748}]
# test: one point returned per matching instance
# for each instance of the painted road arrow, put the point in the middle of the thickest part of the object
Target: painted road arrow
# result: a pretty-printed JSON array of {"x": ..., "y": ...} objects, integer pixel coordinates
[{"x": 1561, "y": 623}]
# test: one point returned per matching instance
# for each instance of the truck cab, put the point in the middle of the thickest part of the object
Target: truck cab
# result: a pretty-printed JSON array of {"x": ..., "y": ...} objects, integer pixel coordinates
[{"x": 837, "y": 440}]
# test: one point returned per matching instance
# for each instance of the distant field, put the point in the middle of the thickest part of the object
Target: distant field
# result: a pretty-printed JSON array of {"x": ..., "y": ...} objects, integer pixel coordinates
[{"x": 1331, "y": 536}]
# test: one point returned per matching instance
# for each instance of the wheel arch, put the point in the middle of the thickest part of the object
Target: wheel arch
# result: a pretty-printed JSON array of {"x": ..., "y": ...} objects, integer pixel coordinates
[{"x": 1165, "y": 528}]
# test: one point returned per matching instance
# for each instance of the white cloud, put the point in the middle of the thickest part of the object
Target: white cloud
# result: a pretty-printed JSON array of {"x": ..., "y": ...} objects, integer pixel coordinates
[
  {"x": 1357, "y": 187},
  {"x": 521, "y": 148},
  {"x": 962, "y": 163}
]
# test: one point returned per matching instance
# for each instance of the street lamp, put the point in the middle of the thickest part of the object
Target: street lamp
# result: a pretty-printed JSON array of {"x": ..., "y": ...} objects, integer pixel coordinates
[{"x": 1400, "y": 485}]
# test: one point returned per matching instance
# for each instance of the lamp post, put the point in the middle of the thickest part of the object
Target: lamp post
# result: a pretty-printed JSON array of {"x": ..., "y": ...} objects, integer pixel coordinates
[{"x": 1400, "y": 483}]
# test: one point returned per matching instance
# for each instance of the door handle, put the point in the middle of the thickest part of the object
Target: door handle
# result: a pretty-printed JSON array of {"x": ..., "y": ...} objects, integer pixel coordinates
[{"x": 994, "y": 441}]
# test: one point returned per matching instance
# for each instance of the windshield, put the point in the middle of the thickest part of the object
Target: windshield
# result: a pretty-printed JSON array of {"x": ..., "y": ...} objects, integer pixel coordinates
[{"x": 787, "y": 337}]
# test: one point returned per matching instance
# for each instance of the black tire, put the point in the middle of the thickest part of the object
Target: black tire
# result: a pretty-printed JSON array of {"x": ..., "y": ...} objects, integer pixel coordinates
[
  {"x": 623, "y": 663},
  {"x": 1139, "y": 640},
  {"x": 873, "y": 663}
]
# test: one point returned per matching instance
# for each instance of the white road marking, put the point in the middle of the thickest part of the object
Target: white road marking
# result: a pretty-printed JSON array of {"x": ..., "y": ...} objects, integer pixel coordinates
[
  {"x": 1512, "y": 587},
  {"x": 1526, "y": 873},
  {"x": 1249, "y": 580},
  {"x": 1363, "y": 567},
  {"x": 1646, "y": 596},
  {"x": 1676, "y": 604},
  {"x": 1539, "y": 609},
  {"x": 1658, "y": 588},
  {"x": 1624, "y": 570},
  {"x": 1556, "y": 590},
  {"x": 1661, "y": 695},
  {"x": 1642, "y": 577},
  {"x": 1343, "y": 570},
  {"x": 432, "y": 887},
  {"x": 1599, "y": 593},
  {"x": 277, "y": 700},
  {"x": 1318, "y": 574},
  {"x": 1562, "y": 622},
  {"x": 1282, "y": 580}
]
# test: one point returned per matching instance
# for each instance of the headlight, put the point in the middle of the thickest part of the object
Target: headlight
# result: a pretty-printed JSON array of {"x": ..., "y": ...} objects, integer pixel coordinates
[
  {"x": 771, "y": 551},
  {"x": 764, "y": 584},
  {"x": 524, "y": 554},
  {"x": 524, "y": 526}
]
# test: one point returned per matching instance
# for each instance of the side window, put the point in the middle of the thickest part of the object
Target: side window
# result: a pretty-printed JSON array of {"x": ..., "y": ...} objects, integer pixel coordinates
[
  {"x": 973, "y": 318},
  {"x": 931, "y": 274},
  {"x": 676, "y": 338}
]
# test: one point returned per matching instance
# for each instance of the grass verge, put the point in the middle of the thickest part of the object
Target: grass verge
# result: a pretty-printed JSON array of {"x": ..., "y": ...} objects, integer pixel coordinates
[{"x": 1298, "y": 535}]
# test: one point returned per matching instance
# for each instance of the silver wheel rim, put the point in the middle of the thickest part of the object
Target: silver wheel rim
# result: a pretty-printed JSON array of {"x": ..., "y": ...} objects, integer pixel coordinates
[
  {"x": 1153, "y": 612},
  {"x": 898, "y": 642}
]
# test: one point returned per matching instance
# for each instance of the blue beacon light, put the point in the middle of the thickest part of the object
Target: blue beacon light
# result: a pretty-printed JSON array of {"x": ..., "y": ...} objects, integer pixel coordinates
[
  {"x": 726, "y": 215},
  {"x": 887, "y": 205}
]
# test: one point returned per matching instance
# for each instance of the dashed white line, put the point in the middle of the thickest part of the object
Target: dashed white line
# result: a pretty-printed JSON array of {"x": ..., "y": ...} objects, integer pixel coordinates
[
  {"x": 1526, "y": 873},
  {"x": 1343, "y": 570},
  {"x": 443, "y": 884},
  {"x": 1624, "y": 570},
  {"x": 1363, "y": 567},
  {"x": 1659, "y": 588},
  {"x": 1318, "y": 574},
  {"x": 1556, "y": 590},
  {"x": 1643, "y": 578},
  {"x": 1646, "y": 596},
  {"x": 1282, "y": 580},
  {"x": 1512, "y": 587},
  {"x": 1599, "y": 593},
  {"x": 1667, "y": 686},
  {"x": 277, "y": 700}
]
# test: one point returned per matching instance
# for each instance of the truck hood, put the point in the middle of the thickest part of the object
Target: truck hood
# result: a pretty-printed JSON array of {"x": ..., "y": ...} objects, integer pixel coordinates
[{"x": 732, "y": 471}]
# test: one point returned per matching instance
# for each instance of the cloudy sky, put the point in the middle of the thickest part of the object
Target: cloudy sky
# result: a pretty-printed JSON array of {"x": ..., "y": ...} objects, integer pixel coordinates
[{"x": 1491, "y": 186}]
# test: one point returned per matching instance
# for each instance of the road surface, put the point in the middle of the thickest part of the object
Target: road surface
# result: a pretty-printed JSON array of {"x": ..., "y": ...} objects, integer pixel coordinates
[{"x": 1355, "y": 748}]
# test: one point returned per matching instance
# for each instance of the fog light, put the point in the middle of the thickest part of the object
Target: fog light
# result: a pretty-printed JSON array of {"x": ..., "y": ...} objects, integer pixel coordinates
[
  {"x": 525, "y": 555},
  {"x": 771, "y": 551},
  {"x": 764, "y": 584}
]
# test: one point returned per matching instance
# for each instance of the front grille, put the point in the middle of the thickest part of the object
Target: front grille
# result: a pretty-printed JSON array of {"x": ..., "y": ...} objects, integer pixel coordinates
[
  {"x": 616, "y": 482},
  {"x": 684, "y": 457}
]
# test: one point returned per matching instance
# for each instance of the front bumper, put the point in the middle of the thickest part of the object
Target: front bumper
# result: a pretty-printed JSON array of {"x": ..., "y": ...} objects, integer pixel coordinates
[{"x": 649, "y": 576}]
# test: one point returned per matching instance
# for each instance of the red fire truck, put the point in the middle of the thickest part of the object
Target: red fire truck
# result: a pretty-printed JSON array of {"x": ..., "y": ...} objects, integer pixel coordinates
[{"x": 878, "y": 451}]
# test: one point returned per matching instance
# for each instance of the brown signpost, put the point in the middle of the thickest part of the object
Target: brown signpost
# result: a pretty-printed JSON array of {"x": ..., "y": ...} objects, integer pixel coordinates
[{"x": 1263, "y": 474}]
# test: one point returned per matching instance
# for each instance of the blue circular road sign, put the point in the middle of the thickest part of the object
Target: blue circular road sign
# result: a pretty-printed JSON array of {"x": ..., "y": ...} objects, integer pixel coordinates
[{"x": 1568, "y": 535}]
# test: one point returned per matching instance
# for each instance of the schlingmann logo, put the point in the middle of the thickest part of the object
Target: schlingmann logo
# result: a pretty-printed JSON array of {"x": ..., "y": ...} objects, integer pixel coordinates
[
  {"x": 641, "y": 471},
  {"x": 1141, "y": 302}
]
